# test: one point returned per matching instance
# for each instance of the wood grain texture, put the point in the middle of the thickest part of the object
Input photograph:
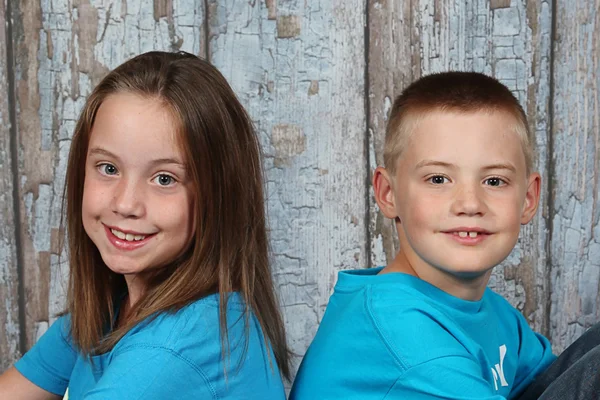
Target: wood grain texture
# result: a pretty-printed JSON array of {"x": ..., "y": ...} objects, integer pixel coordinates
[
  {"x": 299, "y": 69},
  {"x": 575, "y": 251},
  {"x": 9, "y": 304},
  {"x": 62, "y": 50},
  {"x": 511, "y": 42}
]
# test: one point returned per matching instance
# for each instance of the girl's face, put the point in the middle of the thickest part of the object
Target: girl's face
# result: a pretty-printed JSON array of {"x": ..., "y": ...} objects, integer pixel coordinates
[{"x": 137, "y": 197}]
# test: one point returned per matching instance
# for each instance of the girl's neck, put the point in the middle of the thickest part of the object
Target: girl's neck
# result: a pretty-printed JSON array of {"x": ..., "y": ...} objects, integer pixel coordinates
[
  {"x": 135, "y": 288},
  {"x": 123, "y": 312}
]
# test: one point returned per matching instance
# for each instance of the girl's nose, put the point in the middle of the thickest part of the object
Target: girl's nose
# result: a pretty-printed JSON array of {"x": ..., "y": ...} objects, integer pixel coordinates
[{"x": 127, "y": 200}]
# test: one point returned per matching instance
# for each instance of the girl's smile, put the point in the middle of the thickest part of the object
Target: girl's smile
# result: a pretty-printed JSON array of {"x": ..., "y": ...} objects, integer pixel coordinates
[
  {"x": 127, "y": 240},
  {"x": 136, "y": 177}
]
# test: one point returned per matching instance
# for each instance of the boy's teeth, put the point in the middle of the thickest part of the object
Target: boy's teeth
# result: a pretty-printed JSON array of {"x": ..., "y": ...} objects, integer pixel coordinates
[
  {"x": 469, "y": 234},
  {"x": 127, "y": 236}
]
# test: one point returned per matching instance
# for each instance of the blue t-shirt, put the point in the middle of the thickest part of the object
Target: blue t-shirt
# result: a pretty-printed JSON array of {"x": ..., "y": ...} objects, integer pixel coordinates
[
  {"x": 175, "y": 356},
  {"x": 395, "y": 336}
]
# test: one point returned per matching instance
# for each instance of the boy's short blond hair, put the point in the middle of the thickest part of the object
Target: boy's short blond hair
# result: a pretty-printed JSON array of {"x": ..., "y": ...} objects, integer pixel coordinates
[{"x": 463, "y": 92}]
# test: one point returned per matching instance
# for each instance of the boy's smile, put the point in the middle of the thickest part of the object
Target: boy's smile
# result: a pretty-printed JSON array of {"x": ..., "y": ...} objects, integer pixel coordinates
[{"x": 460, "y": 194}]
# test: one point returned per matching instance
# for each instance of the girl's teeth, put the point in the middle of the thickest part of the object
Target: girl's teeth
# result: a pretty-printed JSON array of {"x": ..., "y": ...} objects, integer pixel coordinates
[
  {"x": 472, "y": 234},
  {"x": 118, "y": 234},
  {"x": 127, "y": 236},
  {"x": 462, "y": 234}
]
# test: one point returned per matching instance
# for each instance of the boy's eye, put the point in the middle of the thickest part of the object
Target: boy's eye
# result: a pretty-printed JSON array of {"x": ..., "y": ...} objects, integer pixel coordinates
[
  {"x": 438, "y": 180},
  {"x": 494, "y": 182},
  {"x": 164, "y": 180},
  {"x": 107, "y": 169}
]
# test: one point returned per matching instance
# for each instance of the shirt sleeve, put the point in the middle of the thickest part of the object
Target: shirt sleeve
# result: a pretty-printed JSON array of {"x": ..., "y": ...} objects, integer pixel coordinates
[
  {"x": 49, "y": 363},
  {"x": 148, "y": 372},
  {"x": 451, "y": 378},
  {"x": 535, "y": 355}
]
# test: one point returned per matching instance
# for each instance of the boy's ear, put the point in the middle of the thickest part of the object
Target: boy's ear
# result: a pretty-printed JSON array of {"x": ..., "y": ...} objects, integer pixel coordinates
[
  {"x": 384, "y": 193},
  {"x": 532, "y": 198}
]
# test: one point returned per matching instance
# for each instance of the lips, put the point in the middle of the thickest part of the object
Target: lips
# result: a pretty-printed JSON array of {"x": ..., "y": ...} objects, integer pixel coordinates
[
  {"x": 127, "y": 240},
  {"x": 468, "y": 235},
  {"x": 130, "y": 237}
]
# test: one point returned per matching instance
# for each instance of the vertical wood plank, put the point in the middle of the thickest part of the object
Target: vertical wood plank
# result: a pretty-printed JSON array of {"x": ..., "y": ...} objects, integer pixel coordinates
[
  {"x": 298, "y": 67},
  {"x": 506, "y": 39},
  {"x": 9, "y": 304},
  {"x": 576, "y": 171},
  {"x": 63, "y": 48}
]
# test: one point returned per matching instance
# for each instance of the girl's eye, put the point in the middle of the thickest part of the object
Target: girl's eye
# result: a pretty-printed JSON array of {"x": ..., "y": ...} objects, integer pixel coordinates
[
  {"x": 438, "y": 180},
  {"x": 495, "y": 182},
  {"x": 165, "y": 180},
  {"x": 107, "y": 169}
]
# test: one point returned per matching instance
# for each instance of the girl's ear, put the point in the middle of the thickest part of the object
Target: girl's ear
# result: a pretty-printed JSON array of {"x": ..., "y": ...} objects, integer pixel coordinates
[
  {"x": 384, "y": 192},
  {"x": 532, "y": 198}
]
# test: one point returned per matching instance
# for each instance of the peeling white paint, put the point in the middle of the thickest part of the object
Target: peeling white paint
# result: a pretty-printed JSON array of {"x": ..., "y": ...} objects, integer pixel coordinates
[
  {"x": 310, "y": 75},
  {"x": 310, "y": 212},
  {"x": 575, "y": 254}
]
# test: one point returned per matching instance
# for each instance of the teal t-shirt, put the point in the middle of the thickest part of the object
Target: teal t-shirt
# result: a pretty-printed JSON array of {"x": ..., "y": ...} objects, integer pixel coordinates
[
  {"x": 174, "y": 356},
  {"x": 395, "y": 336}
]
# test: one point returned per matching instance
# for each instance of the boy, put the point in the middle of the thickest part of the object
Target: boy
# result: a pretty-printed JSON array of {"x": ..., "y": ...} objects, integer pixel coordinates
[{"x": 458, "y": 182}]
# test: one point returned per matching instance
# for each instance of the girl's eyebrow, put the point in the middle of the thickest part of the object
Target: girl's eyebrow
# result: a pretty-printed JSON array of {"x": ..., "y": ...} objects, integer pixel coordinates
[
  {"x": 102, "y": 152},
  {"x": 159, "y": 161}
]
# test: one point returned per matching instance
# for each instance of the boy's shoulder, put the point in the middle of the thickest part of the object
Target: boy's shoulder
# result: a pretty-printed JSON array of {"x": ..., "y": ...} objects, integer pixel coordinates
[{"x": 419, "y": 322}]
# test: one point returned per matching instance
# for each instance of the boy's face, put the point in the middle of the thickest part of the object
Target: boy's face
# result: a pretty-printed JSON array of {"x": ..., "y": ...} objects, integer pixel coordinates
[{"x": 460, "y": 194}]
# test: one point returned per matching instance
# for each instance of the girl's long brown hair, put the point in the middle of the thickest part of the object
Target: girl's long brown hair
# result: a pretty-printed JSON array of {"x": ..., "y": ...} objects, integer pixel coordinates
[{"x": 229, "y": 249}]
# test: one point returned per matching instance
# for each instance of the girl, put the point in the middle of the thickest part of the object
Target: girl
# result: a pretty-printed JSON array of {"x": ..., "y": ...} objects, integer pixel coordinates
[{"x": 170, "y": 293}]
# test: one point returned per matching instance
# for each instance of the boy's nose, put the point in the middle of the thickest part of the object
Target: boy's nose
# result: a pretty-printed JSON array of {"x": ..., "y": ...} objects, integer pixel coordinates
[
  {"x": 468, "y": 201},
  {"x": 127, "y": 200}
]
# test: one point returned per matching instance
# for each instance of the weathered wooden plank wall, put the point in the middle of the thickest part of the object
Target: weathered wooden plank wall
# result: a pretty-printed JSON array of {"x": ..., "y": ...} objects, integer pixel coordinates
[
  {"x": 575, "y": 229},
  {"x": 62, "y": 49},
  {"x": 299, "y": 68},
  {"x": 9, "y": 279},
  {"x": 318, "y": 78}
]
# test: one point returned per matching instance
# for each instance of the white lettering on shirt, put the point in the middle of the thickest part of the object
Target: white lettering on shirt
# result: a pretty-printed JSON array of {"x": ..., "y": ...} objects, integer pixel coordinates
[{"x": 498, "y": 370}]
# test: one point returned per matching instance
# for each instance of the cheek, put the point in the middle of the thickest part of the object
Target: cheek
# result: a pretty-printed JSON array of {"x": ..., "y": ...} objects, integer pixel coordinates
[
  {"x": 179, "y": 215},
  {"x": 422, "y": 209},
  {"x": 92, "y": 198},
  {"x": 509, "y": 209}
]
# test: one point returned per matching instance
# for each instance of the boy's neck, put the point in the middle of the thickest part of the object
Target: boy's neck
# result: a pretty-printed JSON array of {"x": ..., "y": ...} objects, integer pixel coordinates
[{"x": 471, "y": 289}]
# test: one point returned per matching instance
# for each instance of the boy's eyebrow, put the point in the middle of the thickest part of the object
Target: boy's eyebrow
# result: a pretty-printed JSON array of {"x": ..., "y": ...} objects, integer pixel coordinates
[
  {"x": 433, "y": 163},
  {"x": 507, "y": 166},
  {"x": 103, "y": 152}
]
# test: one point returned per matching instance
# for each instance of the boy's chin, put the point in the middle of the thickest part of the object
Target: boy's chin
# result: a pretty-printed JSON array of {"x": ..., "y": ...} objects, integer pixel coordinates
[
  {"x": 464, "y": 273},
  {"x": 470, "y": 275}
]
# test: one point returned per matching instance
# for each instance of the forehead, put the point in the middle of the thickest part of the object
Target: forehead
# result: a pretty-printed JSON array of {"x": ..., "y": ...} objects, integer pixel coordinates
[
  {"x": 460, "y": 137},
  {"x": 132, "y": 124}
]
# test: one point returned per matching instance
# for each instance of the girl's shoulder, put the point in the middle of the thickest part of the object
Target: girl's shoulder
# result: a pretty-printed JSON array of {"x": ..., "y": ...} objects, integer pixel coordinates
[
  {"x": 193, "y": 334},
  {"x": 193, "y": 327}
]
